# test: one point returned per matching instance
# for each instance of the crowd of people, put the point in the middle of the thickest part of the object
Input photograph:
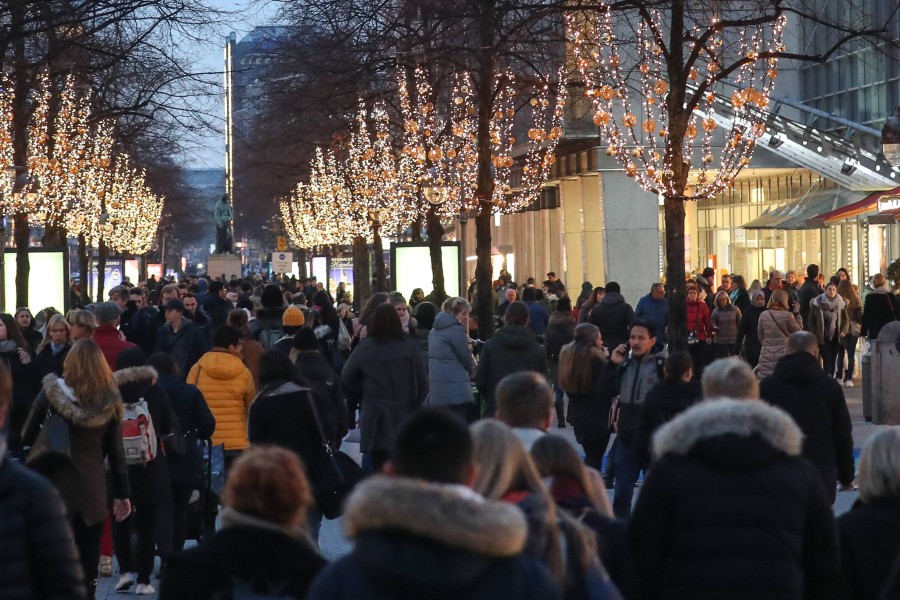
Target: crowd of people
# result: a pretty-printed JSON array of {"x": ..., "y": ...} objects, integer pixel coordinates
[{"x": 742, "y": 441}]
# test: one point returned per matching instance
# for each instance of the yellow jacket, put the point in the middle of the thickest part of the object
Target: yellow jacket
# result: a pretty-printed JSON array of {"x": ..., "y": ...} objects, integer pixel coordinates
[{"x": 228, "y": 388}]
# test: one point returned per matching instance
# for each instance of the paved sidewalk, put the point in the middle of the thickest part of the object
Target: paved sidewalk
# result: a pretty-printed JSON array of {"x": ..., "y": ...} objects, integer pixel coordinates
[{"x": 334, "y": 544}]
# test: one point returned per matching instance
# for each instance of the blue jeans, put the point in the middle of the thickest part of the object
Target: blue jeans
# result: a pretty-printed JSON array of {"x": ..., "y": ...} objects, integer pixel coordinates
[{"x": 627, "y": 473}]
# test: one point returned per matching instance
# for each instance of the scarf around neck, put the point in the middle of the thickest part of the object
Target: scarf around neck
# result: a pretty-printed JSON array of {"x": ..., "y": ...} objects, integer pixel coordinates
[
  {"x": 830, "y": 313},
  {"x": 8, "y": 346}
]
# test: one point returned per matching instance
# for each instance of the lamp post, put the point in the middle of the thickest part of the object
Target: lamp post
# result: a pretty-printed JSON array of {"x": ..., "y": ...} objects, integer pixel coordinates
[{"x": 890, "y": 138}]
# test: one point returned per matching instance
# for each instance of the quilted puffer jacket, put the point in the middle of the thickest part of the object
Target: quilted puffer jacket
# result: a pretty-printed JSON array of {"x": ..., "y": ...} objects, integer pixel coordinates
[{"x": 228, "y": 388}]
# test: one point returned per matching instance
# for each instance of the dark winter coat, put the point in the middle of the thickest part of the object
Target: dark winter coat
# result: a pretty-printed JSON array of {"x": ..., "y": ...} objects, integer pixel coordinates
[
  {"x": 267, "y": 319},
  {"x": 38, "y": 557},
  {"x": 185, "y": 347},
  {"x": 725, "y": 321},
  {"x": 589, "y": 412},
  {"x": 25, "y": 386},
  {"x": 195, "y": 422},
  {"x": 415, "y": 539},
  {"x": 664, "y": 402},
  {"x": 281, "y": 415},
  {"x": 706, "y": 287},
  {"x": 317, "y": 371},
  {"x": 217, "y": 308},
  {"x": 47, "y": 362},
  {"x": 748, "y": 334},
  {"x": 807, "y": 292},
  {"x": 635, "y": 377},
  {"x": 450, "y": 362},
  {"x": 94, "y": 434},
  {"x": 150, "y": 481},
  {"x": 613, "y": 316},
  {"x": 512, "y": 349},
  {"x": 388, "y": 381},
  {"x": 256, "y": 555},
  {"x": 742, "y": 300},
  {"x": 559, "y": 332},
  {"x": 879, "y": 309},
  {"x": 870, "y": 539},
  {"x": 730, "y": 510},
  {"x": 539, "y": 317},
  {"x": 613, "y": 547},
  {"x": 655, "y": 311},
  {"x": 816, "y": 402}
]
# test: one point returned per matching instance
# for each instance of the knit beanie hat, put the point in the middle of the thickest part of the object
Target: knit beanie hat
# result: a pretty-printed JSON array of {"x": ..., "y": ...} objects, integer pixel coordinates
[{"x": 293, "y": 317}]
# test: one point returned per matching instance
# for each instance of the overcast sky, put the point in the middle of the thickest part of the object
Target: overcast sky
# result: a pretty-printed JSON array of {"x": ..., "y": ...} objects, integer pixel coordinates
[{"x": 210, "y": 148}]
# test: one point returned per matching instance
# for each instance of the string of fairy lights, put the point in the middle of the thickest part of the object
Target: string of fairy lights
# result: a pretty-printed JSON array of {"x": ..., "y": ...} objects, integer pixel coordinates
[
  {"x": 433, "y": 166},
  {"x": 637, "y": 130},
  {"x": 84, "y": 186}
]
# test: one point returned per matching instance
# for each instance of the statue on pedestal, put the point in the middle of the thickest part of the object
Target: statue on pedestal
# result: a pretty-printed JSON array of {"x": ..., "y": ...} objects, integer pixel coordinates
[{"x": 224, "y": 231}]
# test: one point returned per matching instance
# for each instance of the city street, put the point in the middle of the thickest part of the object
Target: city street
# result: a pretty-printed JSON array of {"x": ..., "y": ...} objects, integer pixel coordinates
[{"x": 334, "y": 544}]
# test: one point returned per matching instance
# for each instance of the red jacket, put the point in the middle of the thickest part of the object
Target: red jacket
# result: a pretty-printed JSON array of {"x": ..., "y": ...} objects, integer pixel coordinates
[
  {"x": 111, "y": 344},
  {"x": 698, "y": 320}
]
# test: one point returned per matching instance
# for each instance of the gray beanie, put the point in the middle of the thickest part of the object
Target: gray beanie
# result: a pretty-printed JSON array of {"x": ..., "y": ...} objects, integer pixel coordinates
[{"x": 107, "y": 312}]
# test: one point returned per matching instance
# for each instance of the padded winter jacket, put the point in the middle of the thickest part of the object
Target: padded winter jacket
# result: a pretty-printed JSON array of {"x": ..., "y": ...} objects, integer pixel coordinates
[
  {"x": 38, "y": 556},
  {"x": 613, "y": 316},
  {"x": 450, "y": 362},
  {"x": 725, "y": 322},
  {"x": 228, "y": 388},
  {"x": 774, "y": 328},
  {"x": 511, "y": 349},
  {"x": 731, "y": 510}
]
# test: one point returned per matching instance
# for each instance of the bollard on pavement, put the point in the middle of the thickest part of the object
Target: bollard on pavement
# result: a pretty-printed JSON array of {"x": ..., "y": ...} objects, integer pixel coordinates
[{"x": 867, "y": 384}]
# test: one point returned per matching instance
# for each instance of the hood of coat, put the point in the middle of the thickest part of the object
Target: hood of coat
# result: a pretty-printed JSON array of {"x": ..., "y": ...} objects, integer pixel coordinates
[
  {"x": 282, "y": 388},
  {"x": 134, "y": 382},
  {"x": 91, "y": 414},
  {"x": 755, "y": 434},
  {"x": 799, "y": 368},
  {"x": 221, "y": 364},
  {"x": 561, "y": 319},
  {"x": 613, "y": 298},
  {"x": 515, "y": 336},
  {"x": 451, "y": 515},
  {"x": 445, "y": 320}
]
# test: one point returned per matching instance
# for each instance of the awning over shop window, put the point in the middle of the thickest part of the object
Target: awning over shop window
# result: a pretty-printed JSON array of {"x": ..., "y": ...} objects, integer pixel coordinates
[
  {"x": 866, "y": 207},
  {"x": 806, "y": 212}
]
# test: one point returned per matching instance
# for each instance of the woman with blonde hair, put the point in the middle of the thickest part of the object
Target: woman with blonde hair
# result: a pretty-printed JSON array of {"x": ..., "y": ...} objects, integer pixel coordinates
[
  {"x": 87, "y": 399},
  {"x": 266, "y": 500},
  {"x": 52, "y": 351},
  {"x": 847, "y": 291},
  {"x": 506, "y": 472},
  {"x": 879, "y": 309},
  {"x": 588, "y": 378},
  {"x": 82, "y": 324},
  {"x": 870, "y": 530},
  {"x": 775, "y": 327},
  {"x": 725, "y": 320}
]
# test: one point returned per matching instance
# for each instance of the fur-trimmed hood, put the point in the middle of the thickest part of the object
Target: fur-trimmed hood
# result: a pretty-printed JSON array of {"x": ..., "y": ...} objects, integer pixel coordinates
[
  {"x": 448, "y": 514},
  {"x": 135, "y": 382},
  {"x": 89, "y": 412},
  {"x": 717, "y": 418}
]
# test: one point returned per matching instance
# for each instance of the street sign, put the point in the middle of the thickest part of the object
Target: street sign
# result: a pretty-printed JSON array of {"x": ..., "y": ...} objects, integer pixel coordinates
[
  {"x": 280, "y": 243},
  {"x": 281, "y": 262}
]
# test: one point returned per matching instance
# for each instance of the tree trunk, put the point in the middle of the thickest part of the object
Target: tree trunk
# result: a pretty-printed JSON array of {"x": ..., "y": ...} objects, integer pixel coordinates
[
  {"x": 417, "y": 228},
  {"x": 20, "y": 145},
  {"x": 362, "y": 277},
  {"x": 54, "y": 236},
  {"x": 379, "y": 283},
  {"x": 83, "y": 269},
  {"x": 676, "y": 332},
  {"x": 435, "y": 237},
  {"x": 102, "y": 253},
  {"x": 484, "y": 94}
]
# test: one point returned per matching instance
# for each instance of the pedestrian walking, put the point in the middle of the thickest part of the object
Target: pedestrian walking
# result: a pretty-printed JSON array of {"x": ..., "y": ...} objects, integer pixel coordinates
[
  {"x": 450, "y": 361},
  {"x": 560, "y": 331}
]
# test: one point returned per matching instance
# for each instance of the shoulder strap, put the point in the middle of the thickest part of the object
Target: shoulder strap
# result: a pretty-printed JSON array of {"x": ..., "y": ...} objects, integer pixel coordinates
[
  {"x": 315, "y": 412},
  {"x": 775, "y": 321}
]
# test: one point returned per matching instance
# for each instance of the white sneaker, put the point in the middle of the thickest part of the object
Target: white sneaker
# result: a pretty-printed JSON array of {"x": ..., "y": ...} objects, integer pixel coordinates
[
  {"x": 849, "y": 383},
  {"x": 126, "y": 581},
  {"x": 144, "y": 589}
]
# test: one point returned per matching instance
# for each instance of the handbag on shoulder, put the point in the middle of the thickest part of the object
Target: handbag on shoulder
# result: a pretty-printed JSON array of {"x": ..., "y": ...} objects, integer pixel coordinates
[{"x": 337, "y": 476}]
